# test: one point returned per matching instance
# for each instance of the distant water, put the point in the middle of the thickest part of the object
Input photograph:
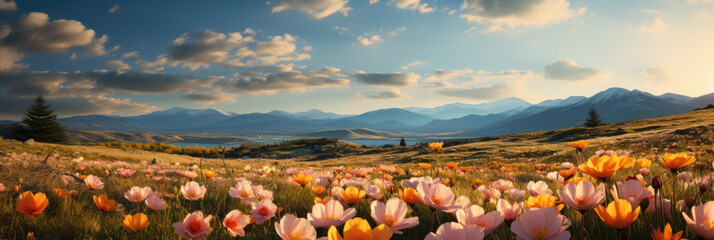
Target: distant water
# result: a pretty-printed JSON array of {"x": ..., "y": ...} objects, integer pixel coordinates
[{"x": 368, "y": 142}]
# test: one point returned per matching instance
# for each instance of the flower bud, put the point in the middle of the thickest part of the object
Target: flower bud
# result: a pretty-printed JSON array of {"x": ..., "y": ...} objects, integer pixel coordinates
[{"x": 657, "y": 183}]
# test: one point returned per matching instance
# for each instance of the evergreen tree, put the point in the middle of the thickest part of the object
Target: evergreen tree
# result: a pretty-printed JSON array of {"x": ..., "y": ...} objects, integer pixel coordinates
[
  {"x": 402, "y": 143},
  {"x": 593, "y": 120},
  {"x": 40, "y": 123}
]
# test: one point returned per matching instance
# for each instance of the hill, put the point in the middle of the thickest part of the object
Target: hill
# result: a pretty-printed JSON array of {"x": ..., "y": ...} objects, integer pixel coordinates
[{"x": 359, "y": 133}]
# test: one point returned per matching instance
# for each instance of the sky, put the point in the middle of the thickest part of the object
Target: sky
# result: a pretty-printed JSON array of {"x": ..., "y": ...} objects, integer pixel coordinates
[{"x": 344, "y": 56}]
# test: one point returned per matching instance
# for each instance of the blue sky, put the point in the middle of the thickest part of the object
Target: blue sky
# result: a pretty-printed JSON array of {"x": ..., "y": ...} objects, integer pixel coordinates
[{"x": 344, "y": 56}]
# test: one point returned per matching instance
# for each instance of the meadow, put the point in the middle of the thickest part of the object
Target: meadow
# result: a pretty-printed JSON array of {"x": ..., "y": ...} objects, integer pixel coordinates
[{"x": 603, "y": 187}]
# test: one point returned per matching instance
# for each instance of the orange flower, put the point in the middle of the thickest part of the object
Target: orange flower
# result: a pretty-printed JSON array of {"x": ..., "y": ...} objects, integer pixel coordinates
[
  {"x": 424, "y": 166},
  {"x": 566, "y": 174},
  {"x": 60, "y": 193},
  {"x": 210, "y": 174},
  {"x": 666, "y": 234},
  {"x": 451, "y": 165},
  {"x": 605, "y": 166},
  {"x": 576, "y": 180},
  {"x": 464, "y": 169},
  {"x": 358, "y": 228},
  {"x": 31, "y": 205},
  {"x": 619, "y": 214},
  {"x": 409, "y": 195},
  {"x": 322, "y": 201},
  {"x": 137, "y": 222},
  {"x": 579, "y": 145},
  {"x": 676, "y": 161},
  {"x": 436, "y": 146},
  {"x": 302, "y": 179},
  {"x": 104, "y": 203},
  {"x": 352, "y": 194},
  {"x": 318, "y": 189},
  {"x": 543, "y": 200}
]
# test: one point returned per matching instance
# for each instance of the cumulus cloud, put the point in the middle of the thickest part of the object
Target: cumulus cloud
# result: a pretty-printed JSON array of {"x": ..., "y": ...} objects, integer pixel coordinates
[
  {"x": 268, "y": 54},
  {"x": 269, "y": 83},
  {"x": 448, "y": 74},
  {"x": 499, "y": 14},
  {"x": 412, "y": 5},
  {"x": 318, "y": 9},
  {"x": 387, "y": 79},
  {"x": 390, "y": 94},
  {"x": 489, "y": 92},
  {"x": 96, "y": 48},
  {"x": 412, "y": 64},
  {"x": 9, "y": 58},
  {"x": 277, "y": 46},
  {"x": 117, "y": 64},
  {"x": 71, "y": 106},
  {"x": 567, "y": 69},
  {"x": 373, "y": 38},
  {"x": 658, "y": 76},
  {"x": 7, "y": 6},
  {"x": 657, "y": 27},
  {"x": 210, "y": 97},
  {"x": 198, "y": 50},
  {"x": 35, "y": 33},
  {"x": 369, "y": 40}
]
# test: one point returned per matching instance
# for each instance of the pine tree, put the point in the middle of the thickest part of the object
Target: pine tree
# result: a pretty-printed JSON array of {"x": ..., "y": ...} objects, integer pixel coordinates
[
  {"x": 402, "y": 143},
  {"x": 593, "y": 120},
  {"x": 40, "y": 123}
]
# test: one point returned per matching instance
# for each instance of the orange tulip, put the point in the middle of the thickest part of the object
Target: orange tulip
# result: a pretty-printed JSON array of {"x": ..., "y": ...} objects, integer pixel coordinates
[
  {"x": 666, "y": 234},
  {"x": 619, "y": 214},
  {"x": 352, "y": 194},
  {"x": 137, "y": 222},
  {"x": 318, "y": 189},
  {"x": 104, "y": 203},
  {"x": 30, "y": 204},
  {"x": 424, "y": 166},
  {"x": 676, "y": 161},
  {"x": 302, "y": 179},
  {"x": 409, "y": 195}
]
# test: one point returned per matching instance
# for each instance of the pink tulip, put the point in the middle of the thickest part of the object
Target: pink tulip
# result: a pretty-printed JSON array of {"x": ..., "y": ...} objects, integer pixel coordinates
[
  {"x": 330, "y": 214},
  {"x": 632, "y": 191},
  {"x": 291, "y": 227},
  {"x": 510, "y": 213},
  {"x": 437, "y": 196},
  {"x": 474, "y": 215},
  {"x": 538, "y": 188},
  {"x": 700, "y": 222},
  {"x": 263, "y": 210},
  {"x": 582, "y": 196},
  {"x": 192, "y": 191},
  {"x": 94, "y": 182},
  {"x": 235, "y": 222},
  {"x": 455, "y": 231},
  {"x": 194, "y": 226},
  {"x": 541, "y": 223},
  {"x": 392, "y": 214},
  {"x": 242, "y": 191},
  {"x": 154, "y": 202},
  {"x": 137, "y": 194}
]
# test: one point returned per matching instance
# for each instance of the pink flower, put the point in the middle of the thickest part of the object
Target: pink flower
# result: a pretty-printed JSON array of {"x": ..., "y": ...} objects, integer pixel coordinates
[
  {"x": 541, "y": 223},
  {"x": 510, "y": 213},
  {"x": 291, "y": 227},
  {"x": 262, "y": 194},
  {"x": 645, "y": 171},
  {"x": 463, "y": 202},
  {"x": 242, "y": 191},
  {"x": 489, "y": 193},
  {"x": 502, "y": 185},
  {"x": 455, "y": 231},
  {"x": 94, "y": 182},
  {"x": 662, "y": 204},
  {"x": 474, "y": 215},
  {"x": 2, "y": 187},
  {"x": 374, "y": 192},
  {"x": 235, "y": 222},
  {"x": 701, "y": 221},
  {"x": 437, "y": 196},
  {"x": 392, "y": 214},
  {"x": 538, "y": 188},
  {"x": 192, "y": 191},
  {"x": 263, "y": 210},
  {"x": 126, "y": 172},
  {"x": 582, "y": 196},
  {"x": 632, "y": 191},
  {"x": 137, "y": 194},
  {"x": 414, "y": 182},
  {"x": 194, "y": 226},
  {"x": 330, "y": 214},
  {"x": 567, "y": 165},
  {"x": 67, "y": 179},
  {"x": 516, "y": 194},
  {"x": 154, "y": 202}
]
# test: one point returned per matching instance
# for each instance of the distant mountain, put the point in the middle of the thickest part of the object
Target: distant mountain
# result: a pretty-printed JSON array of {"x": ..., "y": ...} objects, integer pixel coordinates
[
  {"x": 457, "y": 110},
  {"x": 702, "y": 101},
  {"x": 676, "y": 98},
  {"x": 317, "y": 114},
  {"x": 179, "y": 118},
  {"x": 392, "y": 114}
]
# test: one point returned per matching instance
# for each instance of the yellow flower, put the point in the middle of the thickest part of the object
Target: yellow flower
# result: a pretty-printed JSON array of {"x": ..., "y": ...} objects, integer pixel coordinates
[
  {"x": 137, "y": 222},
  {"x": 543, "y": 200},
  {"x": 666, "y": 234},
  {"x": 605, "y": 166},
  {"x": 451, "y": 165},
  {"x": 409, "y": 195},
  {"x": 676, "y": 161},
  {"x": 322, "y": 201},
  {"x": 209, "y": 174},
  {"x": 352, "y": 194},
  {"x": 579, "y": 145},
  {"x": 643, "y": 163},
  {"x": 104, "y": 203},
  {"x": 302, "y": 179},
  {"x": 30, "y": 204},
  {"x": 358, "y": 228},
  {"x": 424, "y": 166},
  {"x": 619, "y": 214},
  {"x": 436, "y": 146}
]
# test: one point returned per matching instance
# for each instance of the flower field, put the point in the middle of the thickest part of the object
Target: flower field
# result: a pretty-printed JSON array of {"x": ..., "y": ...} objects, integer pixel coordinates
[{"x": 655, "y": 189}]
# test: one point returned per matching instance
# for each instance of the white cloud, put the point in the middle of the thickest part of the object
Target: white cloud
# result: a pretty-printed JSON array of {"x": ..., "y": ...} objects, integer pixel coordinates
[
  {"x": 270, "y": 83},
  {"x": 390, "y": 94},
  {"x": 277, "y": 46},
  {"x": 487, "y": 92},
  {"x": 96, "y": 48},
  {"x": 133, "y": 54},
  {"x": 369, "y": 40},
  {"x": 114, "y": 9},
  {"x": 7, "y": 6},
  {"x": 210, "y": 97},
  {"x": 567, "y": 69},
  {"x": 387, "y": 79},
  {"x": 373, "y": 38},
  {"x": 198, "y": 50},
  {"x": 448, "y": 74},
  {"x": 412, "y": 64},
  {"x": 318, "y": 9},
  {"x": 657, "y": 27},
  {"x": 373, "y": 2},
  {"x": 499, "y": 15},
  {"x": 35, "y": 33},
  {"x": 412, "y": 5},
  {"x": 658, "y": 76},
  {"x": 9, "y": 58},
  {"x": 118, "y": 65}
]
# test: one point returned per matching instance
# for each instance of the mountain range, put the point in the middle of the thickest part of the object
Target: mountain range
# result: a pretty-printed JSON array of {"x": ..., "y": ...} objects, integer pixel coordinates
[{"x": 504, "y": 116}]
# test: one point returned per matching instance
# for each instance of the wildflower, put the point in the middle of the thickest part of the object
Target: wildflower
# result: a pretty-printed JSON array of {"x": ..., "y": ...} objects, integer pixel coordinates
[
  {"x": 436, "y": 146},
  {"x": 516, "y": 194},
  {"x": 291, "y": 227},
  {"x": 543, "y": 223},
  {"x": 451, "y": 165},
  {"x": 263, "y": 210},
  {"x": 455, "y": 231},
  {"x": 579, "y": 145},
  {"x": 618, "y": 214},
  {"x": 137, "y": 222},
  {"x": 666, "y": 234},
  {"x": 489, "y": 193},
  {"x": 437, "y": 196},
  {"x": 322, "y": 200},
  {"x": 509, "y": 212},
  {"x": 194, "y": 226},
  {"x": 543, "y": 200},
  {"x": 475, "y": 215},
  {"x": 538, "y": 188},
  {"x": 582, "y": 196},
  {"x": 104, "y": 203},
  {"x": 94, "y": 182},
  {"x": 154, "y": 202},
  {"x": 331, "y": 213},
  {"x": 601, "y": 167},
  {"x": 358, "y": 228},
  {"x": 568, "y": 173},
  {"x": 60, "y": 193},
  {"x": 352, "y": 194},
  {"x": 392, "y": 214},
  {"x": 502, "y": 185},
  {"x": 643, "y": 163},
  {"x": 676, "y": 161},
  {"x": 242, "y": 191},
  {"x": 302, "y": 179},
  {"x": 632, "y": 191},
  {"x": 192, "y": 191},
  {"x": 463, "y": 202},
  {"x": 701, "y": 221},
  {"x": 235, "y": 222},
  {"x": 424, "y": 166},
  {"x": 137, "y": 194},
  {"x": 30, "y": 204},
  {"x": 318, "y": 189},
  {"x": 209, "y": 174},
  {"x": 409, "y": 195}
]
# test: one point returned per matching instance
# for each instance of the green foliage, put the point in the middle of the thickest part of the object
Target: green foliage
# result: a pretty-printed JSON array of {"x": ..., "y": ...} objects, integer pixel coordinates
[
  {"x": 40, "y": 123},
  {"x": 402, "y": 143}
]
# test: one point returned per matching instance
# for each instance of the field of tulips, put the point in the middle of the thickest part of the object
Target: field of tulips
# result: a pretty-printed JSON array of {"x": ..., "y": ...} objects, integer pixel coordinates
[{"x": 643, "y": 190}]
